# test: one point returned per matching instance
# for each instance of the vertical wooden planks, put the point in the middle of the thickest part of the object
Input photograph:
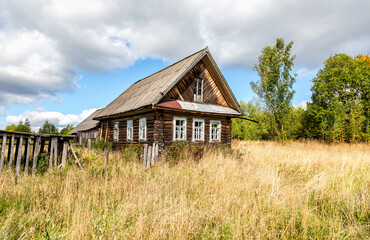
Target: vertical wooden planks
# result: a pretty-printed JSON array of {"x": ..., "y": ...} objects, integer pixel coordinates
[
  {"x": 89, "y": 143},
  {"x": 10, "y": 152},
  {"x": 27, "y": 157},
  {"x": 35, "y": 154},
  {"x": 145, "y": 154},
  {"x": 51, "y": 153},
  {"x": 64, "y": 153},
  {"x": 106, "y": 156},
  {"x": 55, "y": 152},
  {"x": 19, "y": 156},
  {"x": 150, "y": 148},
  {"x": 3, "y": 145}
]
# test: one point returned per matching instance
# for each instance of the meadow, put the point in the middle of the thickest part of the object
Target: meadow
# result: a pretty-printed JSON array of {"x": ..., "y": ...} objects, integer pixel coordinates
[{"x": 257, "y": 190}]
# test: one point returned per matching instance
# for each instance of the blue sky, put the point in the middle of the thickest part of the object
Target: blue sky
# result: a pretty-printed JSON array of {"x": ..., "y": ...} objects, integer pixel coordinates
[{"x": 60, "y": 60}]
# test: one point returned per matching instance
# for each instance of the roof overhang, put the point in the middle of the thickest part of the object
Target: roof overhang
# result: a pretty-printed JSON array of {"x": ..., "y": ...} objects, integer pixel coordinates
[{"x": 179, "y": 105}]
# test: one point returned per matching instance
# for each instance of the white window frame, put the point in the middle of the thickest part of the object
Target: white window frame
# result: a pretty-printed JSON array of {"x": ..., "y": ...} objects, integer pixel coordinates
[
  {"x": 174, "y": 128},
  {"x": 202, "y": 130},
  {"x": 142, "y": 131},
  {"x": 198, "y": 97},
  {"x": 130, "y": 138},
  {"x": 116, "y": 132},
  {"x": 210, "y": 131}
]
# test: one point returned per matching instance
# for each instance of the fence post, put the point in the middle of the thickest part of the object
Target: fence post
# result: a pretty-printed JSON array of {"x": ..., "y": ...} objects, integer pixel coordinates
[
  {"x": 3, "y": 145},
  {"x": 106, "y": 156},
  {"x": 36, "y": 144},
  {"x": 27, "y": 158},
  {"x": 19, "y": 156},
  {"x": 11, "y": 151},
  {"x": 145, "y": 154},
  {"x": 149, "y": 156}
]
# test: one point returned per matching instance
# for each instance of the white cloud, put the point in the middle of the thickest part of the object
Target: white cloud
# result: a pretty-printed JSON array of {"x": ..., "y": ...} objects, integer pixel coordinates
[
  {"x": 46, "y": 43},
  {"x": 38, "y": 117},
  {"x": 303, "y": 104}
]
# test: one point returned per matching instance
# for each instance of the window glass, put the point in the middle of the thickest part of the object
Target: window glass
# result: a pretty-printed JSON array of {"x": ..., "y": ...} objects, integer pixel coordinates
[
  {"x": 115, "y": 132},
  {"x": 142, "y": 129},
  {"x": 198, "y": 129},
  {"x": 179, "y": 129},
  {"x": 198, "y": 89},
  {"x": 215, "y": 130},
  {"x": 130, "y": 130}
]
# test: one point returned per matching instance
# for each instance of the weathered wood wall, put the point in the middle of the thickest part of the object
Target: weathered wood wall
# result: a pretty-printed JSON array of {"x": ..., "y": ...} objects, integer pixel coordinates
[
  {"x": 211, "y": 93},
  {"x": 160, "y": 128}
]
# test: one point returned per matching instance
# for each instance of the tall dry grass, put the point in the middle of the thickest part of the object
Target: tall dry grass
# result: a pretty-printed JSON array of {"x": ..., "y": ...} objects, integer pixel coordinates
[{"x": 259, "y": 190}]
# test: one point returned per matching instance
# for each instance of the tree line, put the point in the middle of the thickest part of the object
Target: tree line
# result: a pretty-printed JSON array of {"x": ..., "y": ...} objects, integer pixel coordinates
[
  {"x": 339, "y": 110},
  {"x": 46, "y": 128}
]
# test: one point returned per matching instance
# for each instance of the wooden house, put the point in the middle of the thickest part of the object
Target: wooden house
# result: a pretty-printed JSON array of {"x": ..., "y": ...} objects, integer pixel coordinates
[
  {"x": 87, "y": 129},
  {"x": 188, "y": 101}
]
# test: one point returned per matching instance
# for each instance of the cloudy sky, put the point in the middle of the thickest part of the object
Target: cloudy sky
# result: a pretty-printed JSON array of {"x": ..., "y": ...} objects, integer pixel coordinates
[{"x": 60, "y": 60}]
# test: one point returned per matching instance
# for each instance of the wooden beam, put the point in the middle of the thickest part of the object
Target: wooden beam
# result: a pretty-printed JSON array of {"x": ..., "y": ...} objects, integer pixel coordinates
[
  {"x": 36, "y": 144},
  {"x": 64, "y": 153},
  {"x": 27, "y": 157},
  {"x": 19, "y": 155},
  {"x": 178, "y": 92},
  {"x": 106, "y": 156},
  {"x": 55, "y": 152},
  {"x": 10, "y": 152},
  {"x": 3, "y": 145},
  {"x": 149, "y": 157},
  {"x": 145, "y": 154},
  {"x": 74, "y": 154},
  {"x": 51, "y": 152}
]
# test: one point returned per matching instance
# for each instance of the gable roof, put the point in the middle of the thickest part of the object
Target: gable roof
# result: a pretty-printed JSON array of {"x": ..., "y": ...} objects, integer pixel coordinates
[
  {"x": 87, "y": 124},
  {"x": 150, "y": 90}
]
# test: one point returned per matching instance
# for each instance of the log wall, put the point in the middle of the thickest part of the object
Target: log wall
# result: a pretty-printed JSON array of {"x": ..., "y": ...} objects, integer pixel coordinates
[{"x": 160, "y": 128}]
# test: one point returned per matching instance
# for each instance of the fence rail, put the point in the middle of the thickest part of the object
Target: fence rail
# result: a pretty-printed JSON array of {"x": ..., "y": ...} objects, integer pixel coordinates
[{"x": 18, "y": 147}]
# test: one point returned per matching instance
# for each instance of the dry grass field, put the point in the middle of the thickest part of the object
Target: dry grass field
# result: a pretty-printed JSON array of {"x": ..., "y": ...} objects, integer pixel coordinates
[{"x": 259, "y": 190}]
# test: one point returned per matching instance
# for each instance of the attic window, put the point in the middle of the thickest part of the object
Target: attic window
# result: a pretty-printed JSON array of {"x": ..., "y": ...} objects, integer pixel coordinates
[{"x": 198, "y": 89}]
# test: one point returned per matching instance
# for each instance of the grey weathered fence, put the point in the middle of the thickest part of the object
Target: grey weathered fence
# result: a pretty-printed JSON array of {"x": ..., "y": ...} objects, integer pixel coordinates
[
  {"x": 150, "y": 155},
  {"x": 20, "y": 145}
]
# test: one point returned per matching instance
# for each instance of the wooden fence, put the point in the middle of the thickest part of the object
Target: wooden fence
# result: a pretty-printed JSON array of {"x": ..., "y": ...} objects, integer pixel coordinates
[
  {"x": 25, "y": 147},
  {"x": 150, "y": 155}
]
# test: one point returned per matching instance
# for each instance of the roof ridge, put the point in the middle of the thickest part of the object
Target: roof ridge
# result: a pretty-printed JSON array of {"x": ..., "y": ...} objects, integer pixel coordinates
[{"x": 203, "y": 49}]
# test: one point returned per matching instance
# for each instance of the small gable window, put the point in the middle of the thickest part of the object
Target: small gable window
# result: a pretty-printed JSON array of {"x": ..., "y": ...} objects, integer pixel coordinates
[
  {"x": 115, "y": 132},
  {"x": 198, "y": 89},
  {"x": 179, "y": 129},
  {"x": 198, "y": 130},
  {"x": 142, "y": 129},
  {"x": 215, "y": 131},
  {"x": 130, "y": 130}
]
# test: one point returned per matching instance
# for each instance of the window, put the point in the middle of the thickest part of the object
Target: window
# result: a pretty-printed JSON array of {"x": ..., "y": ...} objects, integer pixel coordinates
[
  {"x": 198, "y": 87},
  {"x": 179, "y": 129},
  {"x": 215, "y": 131},
  {"x": 115, "y": 132},
  {"x": 198, "y": 130},
  {"x": 130, "y": 130},
  {"x": 142, "y": 129}
]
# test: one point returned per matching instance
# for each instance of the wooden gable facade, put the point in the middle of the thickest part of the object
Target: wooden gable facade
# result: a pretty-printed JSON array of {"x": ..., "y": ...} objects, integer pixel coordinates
[{"x": 187, "y": 101}]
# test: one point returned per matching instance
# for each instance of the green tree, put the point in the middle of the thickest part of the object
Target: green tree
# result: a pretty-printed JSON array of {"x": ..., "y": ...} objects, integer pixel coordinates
[
  {"x": 247, "y": 130},
  {"x": 48, "y": 128},
  {"x": 340, "y": 106},
  {"x": 275, "y": 86},
  {"x": 21, "y": 127},
  {"x": 67, "y": 129}
]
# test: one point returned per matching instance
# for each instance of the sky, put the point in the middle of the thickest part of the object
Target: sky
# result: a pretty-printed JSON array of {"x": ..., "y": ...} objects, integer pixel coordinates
[{"x": 61, "y": 60}]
